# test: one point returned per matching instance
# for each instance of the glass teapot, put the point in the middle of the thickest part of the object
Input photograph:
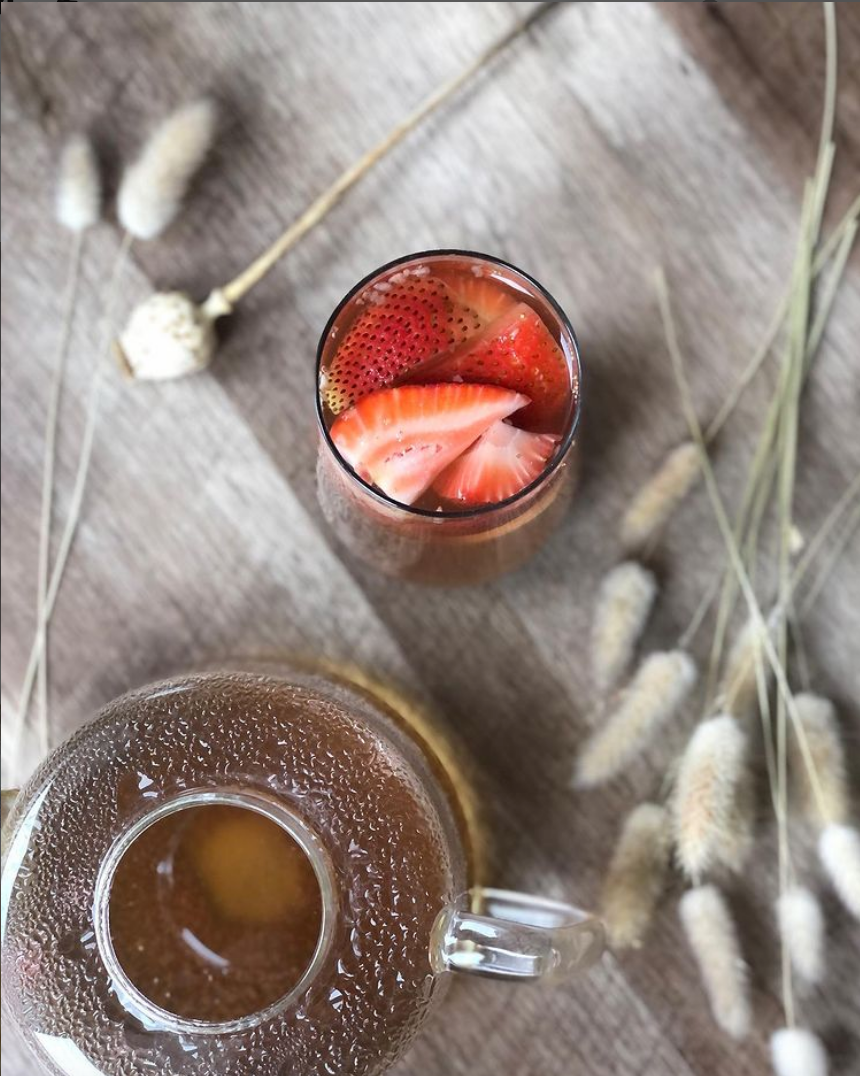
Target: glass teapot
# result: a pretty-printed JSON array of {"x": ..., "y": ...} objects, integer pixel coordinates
[{"x": 240, "y": 872}]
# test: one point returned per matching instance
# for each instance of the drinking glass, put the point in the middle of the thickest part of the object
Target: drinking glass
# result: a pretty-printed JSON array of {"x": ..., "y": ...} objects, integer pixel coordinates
[{"x": 451, "y": 546}]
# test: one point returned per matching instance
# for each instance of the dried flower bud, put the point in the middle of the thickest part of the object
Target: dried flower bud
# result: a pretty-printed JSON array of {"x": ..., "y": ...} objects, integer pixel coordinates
[
  {"x": 153, "y": 187},
  {"x": 713, "y": 938},
  {"x": 624, "y": 602},
  {"x": 79, "y": 186},
  {"x": 168, "y": 335},
  {"x": 657, "y": 691}
]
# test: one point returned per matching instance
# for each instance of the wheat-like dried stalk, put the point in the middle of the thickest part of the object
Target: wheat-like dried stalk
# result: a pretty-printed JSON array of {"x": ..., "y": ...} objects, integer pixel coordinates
[
  {"x": 655, "y": 502},
  {"x": 839, "y": 852},
  {"x": 78, "y": 205},
  {"x": 713, "y": 939},
  {"x": 656, "y": 692},
  {"x": 79, "y": 188},
  {"x": 801, "y": 928},
  {"x": 824, "y": 800},
  {"x": 711, "y": 806},
  {"x": 153, "y": 188},
  {"x": 624, "y": 603},
  {"x": 636, "y": 875},
  {"x": 794, "y": 1051}
]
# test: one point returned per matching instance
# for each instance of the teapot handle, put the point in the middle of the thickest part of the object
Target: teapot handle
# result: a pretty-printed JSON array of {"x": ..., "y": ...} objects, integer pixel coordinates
[{"x": 506, "y": 935}]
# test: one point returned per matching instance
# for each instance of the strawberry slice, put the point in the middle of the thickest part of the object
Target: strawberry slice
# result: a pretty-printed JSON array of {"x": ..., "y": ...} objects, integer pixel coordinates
[
  {"x": 486, "y": 296},
  {"x": 401, "y": 439},
  {"x": 499, "y": 464},
  {"x": 404, "y": 321},
  {"x": 516, "y": 351}
]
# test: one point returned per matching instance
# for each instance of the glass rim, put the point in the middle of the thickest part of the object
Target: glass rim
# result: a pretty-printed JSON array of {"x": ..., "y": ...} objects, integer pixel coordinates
[
  {"x": 565, "y": 442},
  {"x": 129, "y": 994}
]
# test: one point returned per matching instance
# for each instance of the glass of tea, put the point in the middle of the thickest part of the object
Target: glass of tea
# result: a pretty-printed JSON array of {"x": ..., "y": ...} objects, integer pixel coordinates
[
  {"x": 253, "y": 873},
  {"x": 448, "y": 401}
]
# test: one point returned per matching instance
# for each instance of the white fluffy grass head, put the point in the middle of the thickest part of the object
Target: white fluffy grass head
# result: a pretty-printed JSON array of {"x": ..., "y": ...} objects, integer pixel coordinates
[
  {"x": 624, "y": 602},
  {"x": 655, "y": 694},
  {"x": 839, "y": 852},
  {"x": 153, "y": 187},
  {"x": 636, "y": 875},
  {"x": 738, "y": 689},
  {"x": 655, "y": 502},
  {"x": 794, "y": 1051},
  {"x": 824, "y": 798},
  {"x": 801, "y": 927},
  {"x": 712, "y": 808},
  {"x": 713, "y": 939},
  {"x": 79, "y": 189}
]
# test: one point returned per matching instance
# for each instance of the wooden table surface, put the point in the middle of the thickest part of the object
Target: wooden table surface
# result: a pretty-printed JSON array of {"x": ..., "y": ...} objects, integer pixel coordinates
[{"x": 612, "y": 137}]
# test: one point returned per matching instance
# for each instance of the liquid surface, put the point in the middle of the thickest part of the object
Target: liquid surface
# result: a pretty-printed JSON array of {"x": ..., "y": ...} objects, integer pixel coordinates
[{"x": 215, "y": 912}]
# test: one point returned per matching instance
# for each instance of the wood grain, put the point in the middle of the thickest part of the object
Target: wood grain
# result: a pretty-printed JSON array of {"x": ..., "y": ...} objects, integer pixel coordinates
[{"x": 611, "y": 138}]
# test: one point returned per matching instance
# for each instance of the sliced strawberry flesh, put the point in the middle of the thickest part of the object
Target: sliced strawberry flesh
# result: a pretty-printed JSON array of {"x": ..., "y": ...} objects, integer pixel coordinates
[
  {"x": 400, "y": 439},
  {"x": 503, "y": 461},
  {"x": 483, "y": 294},
  {"x": 402, "y": 323},
  {"x": 516, "y": 351}
]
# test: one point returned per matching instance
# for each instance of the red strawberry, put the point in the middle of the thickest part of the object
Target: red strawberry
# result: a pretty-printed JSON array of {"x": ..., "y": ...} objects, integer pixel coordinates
[
  {"x": 517, "y": 351},
  {"x": 401, "y": 325},
  {"x": 400, "y": 439},
  {"x": 499, "y": 464}
]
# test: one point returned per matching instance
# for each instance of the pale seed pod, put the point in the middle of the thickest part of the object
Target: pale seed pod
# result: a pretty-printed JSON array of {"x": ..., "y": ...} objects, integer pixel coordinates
[
  {"x": 79, "y": 189},
  {"x": 636, "y": 875},
  {"x": 794, "y": 1051},
  {"x": 822, "y": 799},
  {"x": 713, "y": 939},
  {"x": 655, "y": 502},
  {"x": 839, "y": 852},
  {"x": 712, "y": 804},
  {"x": 153, "y": 187},
  {"x": 655, "y": 694},
  {"x": 624, "y": 603},
  {"x": 801, "y": 927}
]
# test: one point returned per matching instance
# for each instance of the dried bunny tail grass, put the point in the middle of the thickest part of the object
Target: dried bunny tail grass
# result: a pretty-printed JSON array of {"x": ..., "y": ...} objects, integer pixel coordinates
[
  {"x": 153, "y": 187},
  {"x": 794, "y": 1051},
  {"x": 738, "y": 689},
  {"x": 823, "y": 799},
  {"x": 801, "y": 927},
  {"x": 636, "y": 875},
  {"x": 712, "y": 803},
  {"x": 839, "y": 851},
  {"x": 660, "y": 496},
  {"x": 711, "y": 933},
  {"x": 79, "y": 188},
  {"x": 659, "y": 688},
  {"x": 624, "y": 602}
]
